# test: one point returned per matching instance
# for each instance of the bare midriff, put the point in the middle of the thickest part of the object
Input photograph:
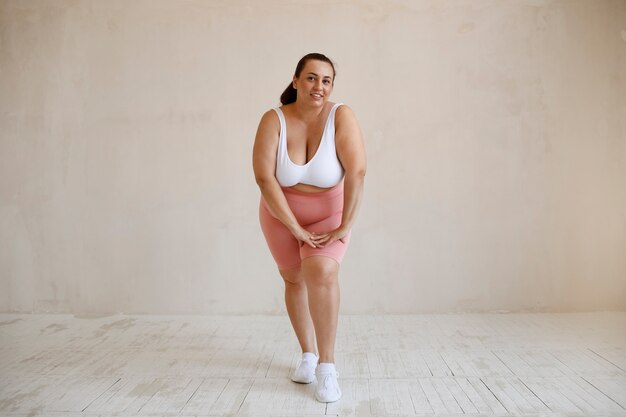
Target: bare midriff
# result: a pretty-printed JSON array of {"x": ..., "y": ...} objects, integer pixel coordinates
[{"x": 307, "y": 188}]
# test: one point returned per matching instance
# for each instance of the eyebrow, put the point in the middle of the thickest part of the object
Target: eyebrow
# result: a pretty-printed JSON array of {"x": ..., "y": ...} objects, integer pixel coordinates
[{"x": 328, "y": 76}]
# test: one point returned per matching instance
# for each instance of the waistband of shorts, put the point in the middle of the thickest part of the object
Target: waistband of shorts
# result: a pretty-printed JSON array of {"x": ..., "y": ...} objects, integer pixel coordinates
[{"x": 329, "y": 193}]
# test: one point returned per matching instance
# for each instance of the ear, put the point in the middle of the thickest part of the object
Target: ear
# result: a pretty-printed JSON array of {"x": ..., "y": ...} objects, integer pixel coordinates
[{"x": 293, "y": 82}]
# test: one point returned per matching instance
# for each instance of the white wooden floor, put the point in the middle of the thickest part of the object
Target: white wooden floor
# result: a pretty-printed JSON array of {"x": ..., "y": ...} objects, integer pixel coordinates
[{"x": 435, "y": 365}]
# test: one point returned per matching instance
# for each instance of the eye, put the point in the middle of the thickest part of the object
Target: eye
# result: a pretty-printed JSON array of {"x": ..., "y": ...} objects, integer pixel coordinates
[
  {"x": 311, "y": 77},
  {"x": 326, "y": 81}
]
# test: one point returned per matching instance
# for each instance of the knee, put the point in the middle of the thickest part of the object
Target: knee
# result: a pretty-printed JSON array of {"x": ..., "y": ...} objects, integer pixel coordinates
[
  {"x": 322, "y": 274},
  {"x": 293, "y": 278}
]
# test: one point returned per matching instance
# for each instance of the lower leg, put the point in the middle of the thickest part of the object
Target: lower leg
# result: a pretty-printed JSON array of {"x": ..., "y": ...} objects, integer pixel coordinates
[
  {"x": 321, "y": 276},
  {"x": 296, "y": 301}
]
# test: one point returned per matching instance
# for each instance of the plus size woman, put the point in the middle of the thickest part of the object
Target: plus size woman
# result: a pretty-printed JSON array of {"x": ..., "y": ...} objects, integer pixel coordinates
[{"x": 309, "y": 163}]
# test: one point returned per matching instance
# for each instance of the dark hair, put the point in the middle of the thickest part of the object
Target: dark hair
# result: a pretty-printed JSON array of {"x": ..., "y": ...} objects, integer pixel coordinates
[{"x": 290, "y": 94}]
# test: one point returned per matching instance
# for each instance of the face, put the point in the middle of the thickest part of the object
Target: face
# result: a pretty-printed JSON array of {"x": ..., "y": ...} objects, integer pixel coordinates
[{"x": 315, "y": 82}]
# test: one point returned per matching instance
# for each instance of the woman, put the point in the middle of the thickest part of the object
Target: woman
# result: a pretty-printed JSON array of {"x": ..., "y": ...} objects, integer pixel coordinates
[{"x": 309, "y": 162}]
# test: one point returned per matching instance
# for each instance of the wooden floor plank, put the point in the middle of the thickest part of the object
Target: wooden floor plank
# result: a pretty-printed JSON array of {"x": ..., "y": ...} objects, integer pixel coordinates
[
  {"x": 583, "y": 362},
  {"x": 432, "y": 396},
  {"x": 26, "y": 393},
  {"x": 387, "y": 364},
  {"x": 614, "y": 388},
  {"x": 390, "y": 397},
  {"x": 355, "y": 401},
  {"x": 119, "y": 396},
  {"x": 143, "y": 394},
  {"x": 353, "y": 365},
  {"x": 437, "y": 366},
  {"x": 172, "y": 396},
  {"x": 550, "y": 393},
  {"x": 542, "y": 363},
  {"x": 586, "y": 396},
  {"x": 421, "y": 405},
  {"x": 475, "y": 363},
  {"x": 280, "y": 396},
  {"x": 549, "y": 365},
  {"x": 240, "y": 363},
  {"x": 232, "y": 397},
  {"x": 616, "y": 356},
  {"x": 282, "y": 363},
  {"x": 482, "y": 399},
  {"x": 77, "y": 393},
  {"x": 514, "y": 396},
  {"x": 204, "y": 397},
  {"x": 459, "y": 395},
  {"x": 56, "y": 393},
  {"x": 442, "y": 387}
]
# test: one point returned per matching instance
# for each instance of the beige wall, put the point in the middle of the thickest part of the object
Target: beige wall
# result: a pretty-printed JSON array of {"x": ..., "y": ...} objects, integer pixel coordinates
[{"x": 496, "y": 138}]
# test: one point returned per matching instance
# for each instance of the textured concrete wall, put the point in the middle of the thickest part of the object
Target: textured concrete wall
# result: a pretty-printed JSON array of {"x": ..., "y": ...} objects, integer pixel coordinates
[{"x": 496, "y": 138}]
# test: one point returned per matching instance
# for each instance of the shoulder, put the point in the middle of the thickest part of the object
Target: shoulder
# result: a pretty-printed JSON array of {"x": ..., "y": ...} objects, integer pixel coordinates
[
  {"x": 344, "y": 112},
  {"x": 269, "y": 119},
  {"x": 268, "y": 130},
  {"x": 344, "y": 115}
]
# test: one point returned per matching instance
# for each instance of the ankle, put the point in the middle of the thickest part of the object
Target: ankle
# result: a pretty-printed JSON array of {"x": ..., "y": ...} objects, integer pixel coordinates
[{"x": 325, "y": 367}]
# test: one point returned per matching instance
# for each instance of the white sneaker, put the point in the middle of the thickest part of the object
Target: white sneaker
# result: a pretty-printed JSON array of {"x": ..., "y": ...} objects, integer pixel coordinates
[
  {"x": 305, "y": 371},
  {"x": 327, "y": 390}
]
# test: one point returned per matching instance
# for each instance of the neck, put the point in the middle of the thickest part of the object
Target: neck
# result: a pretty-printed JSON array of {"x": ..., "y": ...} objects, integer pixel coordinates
[{"x": 308, "y": 112}]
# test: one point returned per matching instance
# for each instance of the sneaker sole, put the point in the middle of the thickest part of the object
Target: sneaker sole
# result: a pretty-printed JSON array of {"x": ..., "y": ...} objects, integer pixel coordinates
[
  {"x": 303, "y": 382},
  {"x": 327, "y": 401}
]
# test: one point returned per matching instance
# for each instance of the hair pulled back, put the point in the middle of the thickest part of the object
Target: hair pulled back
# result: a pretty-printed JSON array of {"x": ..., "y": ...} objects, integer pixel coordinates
[{"x": 290, "y": 94}]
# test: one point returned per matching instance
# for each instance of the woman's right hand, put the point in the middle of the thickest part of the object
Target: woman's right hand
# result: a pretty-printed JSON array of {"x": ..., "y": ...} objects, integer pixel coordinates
[{"x": 303, "y": 236}]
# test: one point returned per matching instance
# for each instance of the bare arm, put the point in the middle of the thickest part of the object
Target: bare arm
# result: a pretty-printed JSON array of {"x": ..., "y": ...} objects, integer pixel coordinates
[
  {"x": 264, "y": 165},
  {"x": 351, "y": 152}
]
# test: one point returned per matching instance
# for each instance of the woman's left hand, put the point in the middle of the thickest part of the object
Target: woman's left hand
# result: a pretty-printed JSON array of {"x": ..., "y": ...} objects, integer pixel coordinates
[{"x": 323, "y": 239}]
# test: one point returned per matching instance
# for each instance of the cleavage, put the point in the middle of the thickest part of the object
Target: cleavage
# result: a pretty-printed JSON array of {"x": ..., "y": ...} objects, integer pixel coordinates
[{"x": 310, "y": 146}]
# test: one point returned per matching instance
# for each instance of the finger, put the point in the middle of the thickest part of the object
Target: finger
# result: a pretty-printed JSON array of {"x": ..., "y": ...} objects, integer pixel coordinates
[
  {"x": 311, "y": 242},
  {"x": 326, "y": 239},
  {"x": 326, "y": 242},
  {"x": 321, "y": 239}
]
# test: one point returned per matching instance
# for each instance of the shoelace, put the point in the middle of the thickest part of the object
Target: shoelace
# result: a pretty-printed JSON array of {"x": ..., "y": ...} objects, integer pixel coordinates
[{"x": 327, "y": 377}]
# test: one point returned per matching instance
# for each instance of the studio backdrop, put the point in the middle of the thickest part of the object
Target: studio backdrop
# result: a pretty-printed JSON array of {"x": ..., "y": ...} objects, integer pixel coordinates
[{"x": 495, "y": 134}]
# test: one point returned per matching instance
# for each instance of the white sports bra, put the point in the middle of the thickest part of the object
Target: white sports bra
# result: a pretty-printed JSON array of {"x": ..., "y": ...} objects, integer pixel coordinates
[{"x": 323, "y": 170}]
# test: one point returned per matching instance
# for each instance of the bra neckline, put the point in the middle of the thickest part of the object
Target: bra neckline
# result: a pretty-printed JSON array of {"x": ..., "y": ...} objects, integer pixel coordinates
[{"x": 319, "y": 147}]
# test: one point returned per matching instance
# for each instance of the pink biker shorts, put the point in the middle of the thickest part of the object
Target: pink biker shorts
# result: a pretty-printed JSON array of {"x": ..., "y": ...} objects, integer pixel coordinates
[{"x": 316, "y": 212}]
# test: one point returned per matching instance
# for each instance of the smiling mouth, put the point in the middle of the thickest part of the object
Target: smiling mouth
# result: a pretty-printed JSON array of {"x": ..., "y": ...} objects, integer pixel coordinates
[{"x": 317, "y": 95}]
